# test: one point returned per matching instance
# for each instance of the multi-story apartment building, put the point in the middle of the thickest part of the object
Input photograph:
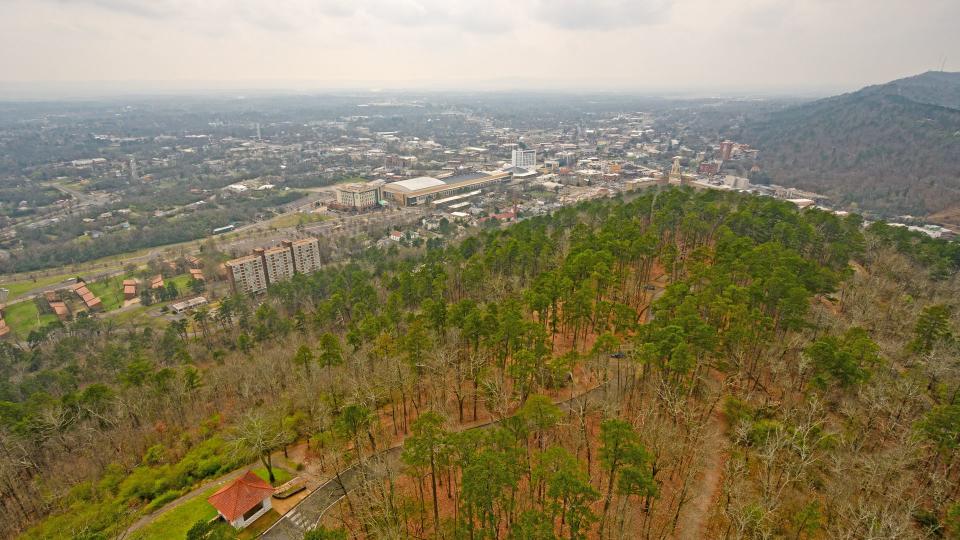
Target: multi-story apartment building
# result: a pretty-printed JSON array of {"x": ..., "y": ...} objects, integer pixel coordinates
[
  {"x": 265, "y": 267},
  {"x": 247, "y": 274},
  {"x": 306, "y": 254},
  {"x": 278, "y": 263},
  {"x": 726, "y": 150},
  {"x": 525, "y": 159}
]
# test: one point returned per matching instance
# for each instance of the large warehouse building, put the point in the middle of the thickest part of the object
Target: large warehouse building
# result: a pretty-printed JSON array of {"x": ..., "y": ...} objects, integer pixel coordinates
[{"x": 425, "y": 188}]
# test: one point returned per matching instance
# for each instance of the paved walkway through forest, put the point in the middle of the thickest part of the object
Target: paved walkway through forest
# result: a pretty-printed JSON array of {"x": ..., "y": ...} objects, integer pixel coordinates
[
  {"x": 307, "y": 515},
  {"x": 147, "y": 519}
]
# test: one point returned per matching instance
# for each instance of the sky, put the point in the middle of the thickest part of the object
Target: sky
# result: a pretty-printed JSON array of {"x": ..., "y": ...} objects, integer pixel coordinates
[{"x": 778, "y": 46}]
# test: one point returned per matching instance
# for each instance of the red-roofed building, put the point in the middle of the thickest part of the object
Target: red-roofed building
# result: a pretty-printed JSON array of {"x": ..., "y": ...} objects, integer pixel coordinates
[
  {"x": 156, "y": 281},
  {"x": 89, "y": 299},
  {"x": 242, "y": 501},
  {"x": 60, "y": 309},
  {"x": 129, "y": 289},
  {"x": 508, "y": 216}
]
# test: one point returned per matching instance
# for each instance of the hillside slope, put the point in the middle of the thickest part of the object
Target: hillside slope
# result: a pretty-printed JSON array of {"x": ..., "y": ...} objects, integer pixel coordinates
[{"x": 891, "y": 148}]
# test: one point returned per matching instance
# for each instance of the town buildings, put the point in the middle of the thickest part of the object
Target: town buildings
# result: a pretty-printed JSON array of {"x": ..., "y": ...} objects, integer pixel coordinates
[
  {"x": 525, "y": 159},
  {"x": 277, "y": 262},
  {"x": 186, "y": 305},
  {"x": 91, "y": 301},
  {"x": 423, "y": 189},
  {"x": 247, "y": 274},
  {"x": 129, "y": 289},
  {"x": 306, "y": 254},
  {"x": 726, "y": 150},
  {"x": 359, "y": 196},
  {"x": 254, "y": 273}
]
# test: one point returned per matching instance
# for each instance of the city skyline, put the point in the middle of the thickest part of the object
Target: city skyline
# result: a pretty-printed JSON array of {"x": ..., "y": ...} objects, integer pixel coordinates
[{"x": 129, "y": 46}]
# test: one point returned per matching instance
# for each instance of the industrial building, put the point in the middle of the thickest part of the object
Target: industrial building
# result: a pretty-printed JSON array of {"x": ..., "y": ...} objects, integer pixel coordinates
[
  {"x": 454, "y": 199},
  {"x": 424, "y": 189}
]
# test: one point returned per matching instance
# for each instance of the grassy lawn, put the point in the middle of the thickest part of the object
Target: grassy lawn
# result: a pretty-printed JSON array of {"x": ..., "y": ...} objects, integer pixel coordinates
[
  {"x": 109, "y": 291},
  {"x": 174, "y": 524},
  {"x": 183, "y": 284},
  {"x": 300, "y": 218},
  {"x": 141, "y": 316},
  {"x": 17, "y": 288},
  {"x": 281, "y": 475},
  {"x": 133, "y": 313},
  {"x": 22, "y": 318}
]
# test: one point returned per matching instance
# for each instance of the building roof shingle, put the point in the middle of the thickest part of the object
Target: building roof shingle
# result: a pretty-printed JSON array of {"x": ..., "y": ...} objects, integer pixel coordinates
[{"x": 236, "y": 498}]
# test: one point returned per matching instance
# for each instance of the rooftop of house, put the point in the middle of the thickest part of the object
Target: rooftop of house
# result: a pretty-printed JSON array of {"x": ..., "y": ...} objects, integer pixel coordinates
[{"x": 239, "y": 496}]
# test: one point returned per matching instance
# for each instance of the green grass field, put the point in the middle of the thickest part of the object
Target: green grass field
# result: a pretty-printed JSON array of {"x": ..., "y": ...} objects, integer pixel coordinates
[
  {"x": 110, "y": 292},
  {"x": 174, "y": 524},
  {"x": 292, "y": 220},
  {"x": 182, "y": 282},
  {"x": 18, "y": 288},
  {"x": 24, "y": 317}
]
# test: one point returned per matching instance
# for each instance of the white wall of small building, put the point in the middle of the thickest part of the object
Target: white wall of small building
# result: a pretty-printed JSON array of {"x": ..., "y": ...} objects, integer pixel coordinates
[{"x": 240, "y": 523}]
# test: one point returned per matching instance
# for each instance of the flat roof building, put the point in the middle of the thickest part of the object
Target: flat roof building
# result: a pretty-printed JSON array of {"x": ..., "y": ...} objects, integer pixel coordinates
[
  {"x": 277, "y": 262},
  {"x": 185, "y": 305},
  {"x": 359, "y": 196},
  {"x": 247, "y": 274},
  {"x": 265, "y": 267},
  {"x": 525, "y": 159},
  {"x": 424, "y": 189},
  {"x": 306, "y": 254}
]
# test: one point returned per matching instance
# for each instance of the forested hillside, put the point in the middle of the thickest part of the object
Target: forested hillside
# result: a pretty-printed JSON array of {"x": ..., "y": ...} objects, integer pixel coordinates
[
  {"x": 695, "y": 364},
  {"x": 888, "y": 148}
]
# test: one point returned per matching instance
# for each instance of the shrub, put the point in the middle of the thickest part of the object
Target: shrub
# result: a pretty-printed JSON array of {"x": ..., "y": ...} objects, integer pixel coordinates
[{"x": 164, "y": 498}]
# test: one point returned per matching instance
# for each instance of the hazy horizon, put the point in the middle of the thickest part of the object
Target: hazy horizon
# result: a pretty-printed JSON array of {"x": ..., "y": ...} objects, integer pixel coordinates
[
  {"x": 93, "y": 90},
  {"x": 88, "y": 48}
]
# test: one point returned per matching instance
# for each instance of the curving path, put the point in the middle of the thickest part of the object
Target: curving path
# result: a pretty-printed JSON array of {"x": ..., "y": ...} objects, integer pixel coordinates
[{"x": 308, "y": 513}]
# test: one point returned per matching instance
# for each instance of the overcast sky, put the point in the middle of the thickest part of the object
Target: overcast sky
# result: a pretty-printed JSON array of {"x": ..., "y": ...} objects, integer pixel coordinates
[{"x": 639, "y": 45}]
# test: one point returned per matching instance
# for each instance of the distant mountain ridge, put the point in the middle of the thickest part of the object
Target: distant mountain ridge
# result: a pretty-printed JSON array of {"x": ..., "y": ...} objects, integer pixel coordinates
[{"x": 892, "y": 147}]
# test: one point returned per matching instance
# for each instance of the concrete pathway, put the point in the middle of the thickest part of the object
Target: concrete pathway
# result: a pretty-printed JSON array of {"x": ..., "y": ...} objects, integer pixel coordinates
[{"x": 307, "y": 515}]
